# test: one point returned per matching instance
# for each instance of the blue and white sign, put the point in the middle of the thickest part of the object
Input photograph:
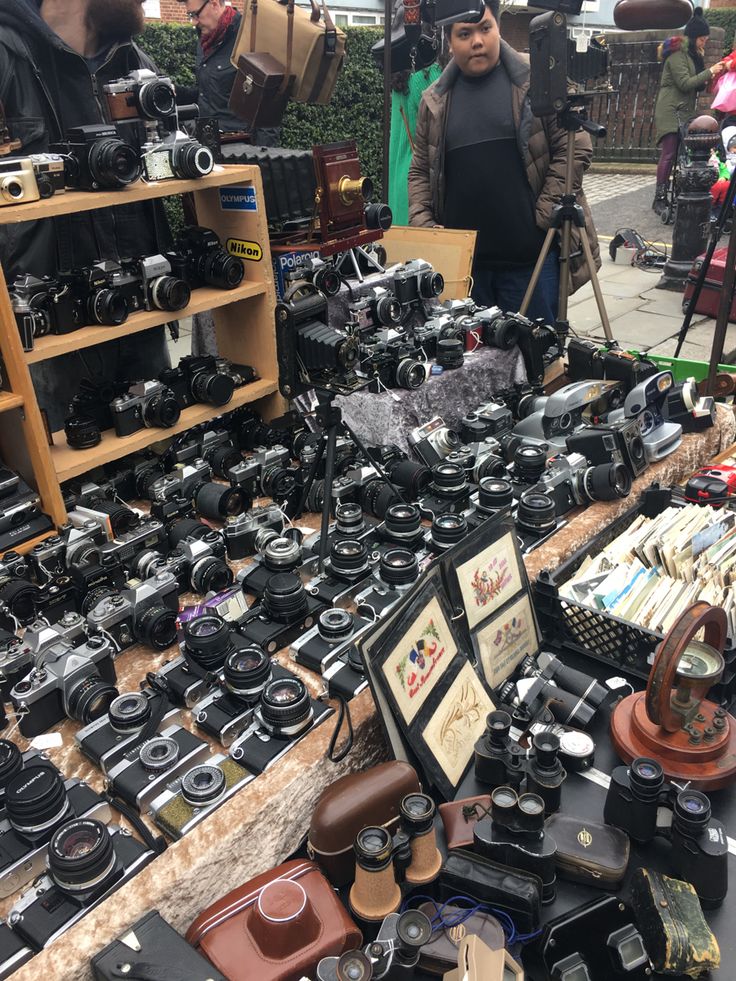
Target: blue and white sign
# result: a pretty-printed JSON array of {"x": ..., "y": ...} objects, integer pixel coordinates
[{"x": 238, "y": 199}]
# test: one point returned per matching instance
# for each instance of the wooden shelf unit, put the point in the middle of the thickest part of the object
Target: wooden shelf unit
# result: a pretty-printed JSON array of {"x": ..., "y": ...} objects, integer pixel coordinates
[{"x": 244, "y": 324}]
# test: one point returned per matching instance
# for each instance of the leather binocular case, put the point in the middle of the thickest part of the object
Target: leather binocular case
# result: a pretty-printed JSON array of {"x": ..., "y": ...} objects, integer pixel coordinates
[
  {"x": 356, "y": 801},
  {"x": 277, "y": 927}
]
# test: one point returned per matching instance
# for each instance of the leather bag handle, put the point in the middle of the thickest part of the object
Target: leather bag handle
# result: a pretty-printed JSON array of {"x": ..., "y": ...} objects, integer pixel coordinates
[
  {"x": 664, "y": 669},
  {"x": 253, "y": 19},
  {"x": 289, "y": 48}
]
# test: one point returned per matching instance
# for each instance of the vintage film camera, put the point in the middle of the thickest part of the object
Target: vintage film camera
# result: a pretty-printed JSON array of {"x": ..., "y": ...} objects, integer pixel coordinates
[
  {"x": 395, "y": 361},
  {"x": 342, "y": 197},
  {"x": 96, "y": 159},
  {"x": 347, "y": 568},
  {"x": 144, "y": 612},
  {"x": 433, "y": 441},
  {"x": 244, "y": 533},
  {"x": 215, "y": 446},
  {"x": 572, "y": 482},
  {"x": 200, "y": 379},
  {"x": 498, "y": 329},
  {"x": 200, "y": 260},
  {"x": 329, "y": 649},
  {"x": 23, "y": 179},
  {"x": 176, "y": 156},
  {"x": 448, "y": 492},
  {"x": 146, "y": 405},
  {"x": 397, "y": 571},
  {"x": 375, "y": 309},
  {"x": 87, "y": 861},
  {"x": 416, "y": 281},
  {"x": 646, "y": 403},
  {"x": 350, "y": 522},
  {"x": 256, "y": 472},
  {"x": 285, "y": 611},
  {"x": 552, "y": 418},
  {"x": 161, "y": 290},
  {"x": 98, "y": 296},
  {"x": 196, "y": 562},
  {"x": 611, "y": 441},
  {"x": 42, "y": 306},
  {"x": 17, "y": 656}
]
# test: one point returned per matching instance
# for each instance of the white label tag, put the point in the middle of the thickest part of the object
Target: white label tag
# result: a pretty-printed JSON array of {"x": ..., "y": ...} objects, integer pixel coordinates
[{"x": 48, "y": 740}]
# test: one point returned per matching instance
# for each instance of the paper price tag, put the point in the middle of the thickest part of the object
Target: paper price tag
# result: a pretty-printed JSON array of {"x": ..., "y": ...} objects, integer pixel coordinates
[{"x": 47, "y": 740}]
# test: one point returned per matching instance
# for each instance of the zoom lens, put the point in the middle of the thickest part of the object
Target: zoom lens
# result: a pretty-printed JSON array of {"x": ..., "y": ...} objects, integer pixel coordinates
[
  {"x": 212, "y": 388},
  {"x": 448, "y": 530},
  {"x": 529, "y": 462},
  {"x": 122, "y": 519},
  {"x": 218, "y": 501},
  {"x": 335, "y": 625},
  {"x": 191, "y": 160},
  {"x": 691, "y": 813},
  {"x": 646, "y": 778},
  {"x": 81, "y": 855},
  {"x": 107, "y": 307},
  {"x": 222, "y": 459},
  {"x": 222, "y": 270},
  {"x": 286, "y": 709},
  {"x": 35, "y": 799},
  {"x": 207, "y": 639},
  {"x": 348, "y": 520},
  {"x": 494, "y": 493},
  {"x": 285, "y": 598},
  {"x": 129, "y": 712},
  {"x": 373, "y": 849},
  {"x": 161, "y": 410},
  {"x": 11, "y": 762},
  {"x": 536, "y": 512},
  {"x": 398, "y": 567},
  {"x": 185, "y": 528},
  {"x": 247, "y": 672},
  {"x": 410, "y": 374},
  {"x": 349, "y": 558},
  {"x": 203, "y": 785},
  {"x": 607, "y": 482},
  {"x": 501, "y": 332},
  {"x": 282, "y": 555},
  {"x": 158, "y": 754},
  {"x": 170, "y": 293},
  {"x": 210, "y": 575},
  {"x": 90, "y": 699},
  {"x": 417, "y": 813},
  {"x": 156, "y": 627},
  {"x": 113, "y": 163},
  {"x": 403, "y": 523}
]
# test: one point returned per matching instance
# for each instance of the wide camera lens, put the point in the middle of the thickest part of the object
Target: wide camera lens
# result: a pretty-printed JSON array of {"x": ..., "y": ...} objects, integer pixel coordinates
[
  {"x": 35, "y": 799},
  {"x": 191, "y": 160},
  {"x": 349, "y": 519},
  {"x": 90, "y": 699},
  {"x": 399, "y": 567},
  {"x": 21, "y": 598},
  {"x": 212, "y": 388},
  {"x": 107, "y": 307},
  {"x": 203, "y": 785},
  {"x": 113, "y": 163},
  {"x": 285, "y": 598},
  {"x": 448, "y": 530},
  {"x": 247, "y": 671},
  {"x": 156, "y": 627},
  {"x": 207, "y": 640},
  {"x": 646, "y": 777},
  {"x": 286, "y": 709},
  {"x": 129, "y": 712},
  {"x": 81, "y": 855}
]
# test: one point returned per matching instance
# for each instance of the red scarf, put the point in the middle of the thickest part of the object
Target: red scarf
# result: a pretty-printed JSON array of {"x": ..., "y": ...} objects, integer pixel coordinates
[{"x": 212, "y": 40}]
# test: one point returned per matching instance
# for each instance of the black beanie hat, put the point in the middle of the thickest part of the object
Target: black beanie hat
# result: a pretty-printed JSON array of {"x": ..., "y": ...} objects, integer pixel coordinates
[{"x": 697, "y": 26}]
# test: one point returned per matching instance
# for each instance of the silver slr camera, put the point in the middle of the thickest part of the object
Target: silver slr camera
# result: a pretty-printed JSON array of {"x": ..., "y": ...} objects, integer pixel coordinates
[{"x": 145, "y": 612}]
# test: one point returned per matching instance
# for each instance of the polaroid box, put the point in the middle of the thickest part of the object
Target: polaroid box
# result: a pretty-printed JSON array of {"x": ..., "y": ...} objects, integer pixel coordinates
[{"x": 286, "y": 259}]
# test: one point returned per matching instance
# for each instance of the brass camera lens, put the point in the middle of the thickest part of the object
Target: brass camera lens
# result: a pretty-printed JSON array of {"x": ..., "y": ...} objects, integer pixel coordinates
[{"x": 373, "y": 849}]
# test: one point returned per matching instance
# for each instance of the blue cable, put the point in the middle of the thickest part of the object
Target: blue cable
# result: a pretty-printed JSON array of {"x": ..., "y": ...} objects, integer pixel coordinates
[{"x": 441, "y": 921}]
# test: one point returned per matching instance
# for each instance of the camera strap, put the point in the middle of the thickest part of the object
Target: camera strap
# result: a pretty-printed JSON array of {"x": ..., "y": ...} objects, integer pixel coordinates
[
  {"x": 156, "y": 843},
  {"x": 343, "y": 717}
]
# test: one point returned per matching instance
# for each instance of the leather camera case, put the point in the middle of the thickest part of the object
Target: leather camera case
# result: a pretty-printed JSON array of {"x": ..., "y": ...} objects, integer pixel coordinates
[
  {"x": 590, "y": 852},
  {"x": 152, "y": 950},
  {"x": 517, "y": 893},
  {"x": 277, "y": 927},
  {"x": 260, "y": 93},
  {"x": 350, "y": 804},
  {"x": 459, "y": 819}
]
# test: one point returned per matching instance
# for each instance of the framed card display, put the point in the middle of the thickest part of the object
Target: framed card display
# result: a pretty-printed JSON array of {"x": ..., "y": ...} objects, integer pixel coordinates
[{"x": 501, "y": 642}]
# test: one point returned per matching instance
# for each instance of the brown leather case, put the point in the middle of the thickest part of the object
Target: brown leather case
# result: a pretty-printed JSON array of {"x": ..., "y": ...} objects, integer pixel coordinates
[
  {"x": 277, "y": 927},
  {"x": 459, "y": 818},
  {"x": 351, "y": 803},
  {"x": 589, "y": 852},
  {"x": 260, "y": 94}
]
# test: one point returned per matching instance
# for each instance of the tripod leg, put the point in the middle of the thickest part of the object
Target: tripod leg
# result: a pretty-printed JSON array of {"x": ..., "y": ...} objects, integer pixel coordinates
[
  {"x": 369, "y": 259},
  {"x": 359, "y": 443},
  {"x": 537, "y": 271},
  {"x": 724, "y": 311},
  {"x": 327, "y": 504},
  {"x": 595, "y": 283}
]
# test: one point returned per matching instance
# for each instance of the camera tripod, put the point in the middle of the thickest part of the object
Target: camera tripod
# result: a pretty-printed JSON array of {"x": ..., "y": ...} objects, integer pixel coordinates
[
  {"x": 329, "y": 417},
  {"x": 350, "y": 258},
  {"x": 564, "y": 215}
]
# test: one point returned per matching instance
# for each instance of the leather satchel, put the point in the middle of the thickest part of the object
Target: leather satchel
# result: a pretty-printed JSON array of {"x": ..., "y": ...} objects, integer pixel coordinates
[
  {"x": 152, "y": 950},
  {"x": 348, "y": 805},
  {"x": 277, "y": 927},
  {"x": 590, "y": 852},
  {"x": 459, "y": 818},
  {"x": 261, "y": 91}
]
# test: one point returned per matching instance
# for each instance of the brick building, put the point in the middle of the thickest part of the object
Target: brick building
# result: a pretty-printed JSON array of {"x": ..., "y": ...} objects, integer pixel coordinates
[{"x": 344, "y": 12}]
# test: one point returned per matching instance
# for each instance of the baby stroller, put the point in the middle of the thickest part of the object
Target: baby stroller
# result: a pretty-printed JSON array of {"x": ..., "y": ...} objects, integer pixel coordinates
[{"x": 672, "y": 189}]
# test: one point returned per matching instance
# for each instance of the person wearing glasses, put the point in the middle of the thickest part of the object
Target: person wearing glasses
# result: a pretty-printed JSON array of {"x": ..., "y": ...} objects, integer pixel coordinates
[
  {"x": 55, "y": 55},
  {"x": 217, "y": 24}
]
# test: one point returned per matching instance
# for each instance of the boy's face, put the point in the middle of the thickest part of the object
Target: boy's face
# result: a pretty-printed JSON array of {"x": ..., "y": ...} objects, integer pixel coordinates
[{"x": 476, "y": 48}]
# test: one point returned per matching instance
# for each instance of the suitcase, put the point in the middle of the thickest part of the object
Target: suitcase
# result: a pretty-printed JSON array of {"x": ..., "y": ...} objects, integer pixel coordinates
[{"x": 710, "y": 294}]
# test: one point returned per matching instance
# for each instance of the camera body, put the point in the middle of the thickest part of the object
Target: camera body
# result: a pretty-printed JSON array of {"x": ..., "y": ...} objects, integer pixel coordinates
[
  {"x": 202, "y": 261},
  {"x": 611, "y": 441},
  {"x": 572, "y": 482},
  {"x": 433, "y": 441},
  {"x": 416, "y": 280},
  {"x": 214, "y": 446},
  {"x": 41, "y": 306},
  {"x": 161, "y": 290},
  {"x": 646, "y": 402},
  {"x": 241, "y": 532},
  {"x": 347, "y": 567},
  {"x": 96, "y": 159},
  {"x": 72, "y": 682},
  {"x": 145, "y": 612},
  {"x": 142, "y": 94},
  {"x": 396, "y": 361},
  {"x": 188, "y": 799},
  {"x": 397, "y": 571},
  {"x": 329, "y": 649},
  {"x": 248, "y": 472},
  {"x": 94, "y": 296},
  {"x": 196, "y": 563},
  {"x": 18, "y": 181},
  {"x": 17, "y": 656},
  {"x": 183, "y": 481},
  {"x": 555, "y": 417},
  {"x": 376, "y": 308},
  {"x": 146, "y": 405},
  {"x": 49, "y": 172},
  {"x": 498, "y": 329},
  {"x": 45, "y": 911},
  {"x": 199, "y": 379},
  {"x": 176, "y": 157},
  {"x": 278, "y": 555},
  {"x": 284, "y": 612},
  {"x": 125, "y": 548}
]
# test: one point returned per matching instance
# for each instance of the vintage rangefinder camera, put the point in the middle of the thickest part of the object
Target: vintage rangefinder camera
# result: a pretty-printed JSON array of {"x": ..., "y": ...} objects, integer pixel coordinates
[
  {"x": 145, "y": 770},
  {"x": 201, "y": 260},
  {"x": 397, "y": 571},
  {"x": 244, "y": 533},
  {"x": 37, "y": 801},
  {"x": 188, "y": 799},
  {"x": 131, "y": 719},
  {"x": 146, "y": 405},
  {"x": 87, "y": 862},
  {"x": 433, "y": 441},
  {"x": 144, "y": 612},
  {"x": 329, "y": 649},
  {"x": 96, "y": 159}
]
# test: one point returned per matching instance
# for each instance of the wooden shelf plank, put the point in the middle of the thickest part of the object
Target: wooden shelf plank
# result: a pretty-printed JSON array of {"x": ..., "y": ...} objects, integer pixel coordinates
[
  {"x": 70, "y": 463},
  {"x": 71, "y": 202},
  {"x": 206, "y": 298},
  {"x": 25, "y": 547},
  {"x": 10, "y": 401}
]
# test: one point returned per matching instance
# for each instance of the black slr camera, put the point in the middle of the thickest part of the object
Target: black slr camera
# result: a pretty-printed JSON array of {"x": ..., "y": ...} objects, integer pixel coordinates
[
  {"x": 208, "y": 641},
  {"x": 95, "y": 296},
  {"x": 286, "y": 610},
  {"x": 199, "y": 379},
  {"x": 200, "y": 260},
  {"x": 637, "y": 799},
  {"x": 329, "y": 649},
  {"x": 278, "y": 555},
  {"x": 397, "y": 363},
  {"x": 397, "y": 571},
  {"x": 96, "y": 159},
  {"x": 347, "y": 567},
  {"x": 87, "y": 862},
  {"x": 41, "y": 306},
  {"x": 415, "y": 281}
]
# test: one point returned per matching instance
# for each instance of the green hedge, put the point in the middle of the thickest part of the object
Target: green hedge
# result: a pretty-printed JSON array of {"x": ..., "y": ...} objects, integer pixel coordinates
[
  {"x": 724, "y": 17},
  {"x": 356, "y": 110}
]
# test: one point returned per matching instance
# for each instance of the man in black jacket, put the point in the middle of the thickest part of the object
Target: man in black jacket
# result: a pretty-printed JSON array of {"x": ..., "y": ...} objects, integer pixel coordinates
[{"x": 54, "y": 57}]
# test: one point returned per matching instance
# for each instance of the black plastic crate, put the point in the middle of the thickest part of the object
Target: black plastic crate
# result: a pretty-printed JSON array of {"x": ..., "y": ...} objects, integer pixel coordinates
[{"x": 572, "y": 626}]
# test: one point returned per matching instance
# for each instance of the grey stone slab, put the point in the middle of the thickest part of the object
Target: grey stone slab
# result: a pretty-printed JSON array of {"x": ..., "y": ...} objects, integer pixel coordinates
[
  {"x": 641, "y": 330},
  {"x": 586, "y": 319}
]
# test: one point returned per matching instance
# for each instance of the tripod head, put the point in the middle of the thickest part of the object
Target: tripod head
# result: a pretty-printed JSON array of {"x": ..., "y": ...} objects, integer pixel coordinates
[{"x": 574, "y": 116}]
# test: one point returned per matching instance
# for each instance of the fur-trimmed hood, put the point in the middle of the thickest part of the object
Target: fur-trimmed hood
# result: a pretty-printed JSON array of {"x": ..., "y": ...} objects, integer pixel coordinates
[{"x": 677, "y": 43}]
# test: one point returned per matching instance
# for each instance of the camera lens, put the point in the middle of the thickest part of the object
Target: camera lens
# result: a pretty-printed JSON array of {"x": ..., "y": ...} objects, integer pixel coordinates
[
  {"x": 161, "y": 410},
  {"x": 417, "y": 813},
  {"x": 282, "y": 555},
  {"x": 379, "y": 215},
  {"x": 373, "y": 849},
  {"x": 489, "y": 465},
  {"x": 129, "y": 711},
  {"x": 335, "y": 625},
  {"x": 529, "y": 462},
  {"x": 156, "y": 100},
  {"x": 122, "y": 519},
  {"x": 399, "y": 567},
  {"x": 286, "y": 709},
  {"x": 431, "y": 284},
  {"x": 81, "y": 432},
  {"x": 207, "y": 640},
  {"x": 12, "y": 189},
  {"x": 450, "y": 353},
  {"x": 107, "y": 307},
  {"x": 448, "y": 480},
  {"x": 247, "y": 672},
  {"x": 546, "y": 747},
  {"x": 448, "y": 530},
  {"x": 494, "y": 494},
  {"x": 413, "y": 477},
  {"x": 81, "y": 855},
  {"x": 349, "y": 558},
  {"x": 349, "y": 519},
  {"x": 222, "y": 459},
  {"x": 636, "y": 448},
  {"x": 607, "y": 482},
  {"x": 203, "y": 785},
  {"x": 646, "y": 778},
  {"x": 388, "y": 311},
  {"x": 691, "y": 813},
  {"x": 498, "y": 725},
  {"x": 327, "y": 281},
  {"x": 403, "y": 523},
  {"x": 170, "y": 293},
  {"x": 191, "y": 160},
  {"x": 222, "y": 270},
  {"x": 158, "y": 754},
  {"x": 285, "y": 598},
  {"x": 536, "y": 512},
  {"x": 410, "y": 374},
  {"x": 212, "y": 388},
  {"x": 20, "y": 597},
  {"x": 90, "y": 699},
  {"x": 501, "y": 332},
  {"x": 113, "y": 163},
  {"x": 377, "y": 497},
  {"x": 218, "y": 501},
  {"x": 210, "y": 575},
  {"x": 35, "y": 799},
  {"x": 156, "y": 627},
  {"x": 11, "y": 762}
]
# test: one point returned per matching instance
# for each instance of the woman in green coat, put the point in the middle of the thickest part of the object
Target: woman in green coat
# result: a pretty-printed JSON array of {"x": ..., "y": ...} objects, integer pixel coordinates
[
  {"x": 683, "y": 76},
  {"x": 406, "y": 94}
]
